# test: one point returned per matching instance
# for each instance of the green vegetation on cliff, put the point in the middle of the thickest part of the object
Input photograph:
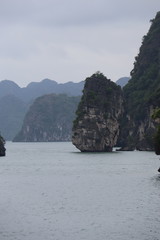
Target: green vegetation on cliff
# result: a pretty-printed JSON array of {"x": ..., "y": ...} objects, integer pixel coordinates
[
  {"x": 142, "y": 93},
  {"x": 96, "y": 127},
  {"x": 145, "y": 77},
  {"x": 141, "y": 96},
  {"x": 97, "y": 91}
]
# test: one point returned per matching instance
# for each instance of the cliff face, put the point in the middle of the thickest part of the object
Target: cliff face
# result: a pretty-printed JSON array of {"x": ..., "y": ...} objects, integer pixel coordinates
[
  {"x": 103, "y": 115},
  {"x": 96, "y": 127},
  {"x": 49, "y": 119},
  {"x": 137, "y": 134},
  {"x": 2, "y": 148},
  {"x": 142, "y": 94}
]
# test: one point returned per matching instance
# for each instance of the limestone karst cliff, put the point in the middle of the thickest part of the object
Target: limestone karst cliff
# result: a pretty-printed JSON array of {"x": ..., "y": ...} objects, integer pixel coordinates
[
  {"x": 105, "y": 118},
  {"x": 142, "y": 94},
  {"x": 96, "y": 127}
]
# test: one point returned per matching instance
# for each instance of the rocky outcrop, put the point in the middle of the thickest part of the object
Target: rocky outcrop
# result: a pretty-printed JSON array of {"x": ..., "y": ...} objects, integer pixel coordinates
[
  {"x": 137, "y": 135},
  {"x": 2, "y": 147},
  {"x": 96, "y": 127}
]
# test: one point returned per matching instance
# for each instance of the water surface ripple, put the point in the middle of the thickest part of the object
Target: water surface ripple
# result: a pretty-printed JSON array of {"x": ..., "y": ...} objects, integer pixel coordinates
[{"x": 50, "y": 191}]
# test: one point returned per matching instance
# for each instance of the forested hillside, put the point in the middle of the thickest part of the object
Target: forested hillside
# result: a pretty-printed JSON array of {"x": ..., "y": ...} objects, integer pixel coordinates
[
  {"x": 142, "y": 93},
  {"x": 49, "y": 119}
]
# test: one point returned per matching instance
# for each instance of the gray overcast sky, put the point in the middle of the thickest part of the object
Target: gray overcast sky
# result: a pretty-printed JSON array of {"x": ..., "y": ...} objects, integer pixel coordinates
[{"x": 69, "y": 40}]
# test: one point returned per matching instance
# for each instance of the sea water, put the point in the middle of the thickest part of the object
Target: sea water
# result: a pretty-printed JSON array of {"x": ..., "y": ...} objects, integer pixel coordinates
[{"x": 51, "y": 191}]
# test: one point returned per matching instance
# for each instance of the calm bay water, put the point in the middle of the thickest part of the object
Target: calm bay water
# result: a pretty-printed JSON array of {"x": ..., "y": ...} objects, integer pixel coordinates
[{"x": 51, "y": 191}]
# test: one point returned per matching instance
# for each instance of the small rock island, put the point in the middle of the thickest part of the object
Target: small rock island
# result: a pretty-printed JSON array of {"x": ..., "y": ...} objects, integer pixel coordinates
[
  {"x": 96, "y": 127},
  {"x": 2, "y": 148}
]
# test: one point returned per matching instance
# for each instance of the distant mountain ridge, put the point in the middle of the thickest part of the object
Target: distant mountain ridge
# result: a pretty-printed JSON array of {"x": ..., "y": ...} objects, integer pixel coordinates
[
  {"x": 122, "y": 81},
  {"x": 15, "y": 101},
  {"x": 46, "y": 86},
  {"x": 37, "y": 89}
]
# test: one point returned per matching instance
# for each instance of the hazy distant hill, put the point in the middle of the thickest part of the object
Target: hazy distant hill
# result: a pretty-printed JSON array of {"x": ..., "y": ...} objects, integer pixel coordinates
[
  {"x": 15, "y": 101},
  {"x": 8, "y": 87},
  {"x": 12, "y": 111},
  {"x": 49, "y": 119},
  {"x": 37, "y": 89},
  {"x": 122, "y": 81},
  {"x": 48, "y": 86}
]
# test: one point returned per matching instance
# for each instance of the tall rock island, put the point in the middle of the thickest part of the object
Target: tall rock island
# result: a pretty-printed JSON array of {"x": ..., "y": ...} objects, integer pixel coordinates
[{"x": 96, "y": 127}]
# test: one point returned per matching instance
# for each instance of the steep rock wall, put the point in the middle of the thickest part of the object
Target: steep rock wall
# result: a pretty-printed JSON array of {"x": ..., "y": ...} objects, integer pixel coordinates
[
  {"x": 137, "y": 135},
  {"x": 96, "y": 127},
  {"x": 142, "y": 94}
]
